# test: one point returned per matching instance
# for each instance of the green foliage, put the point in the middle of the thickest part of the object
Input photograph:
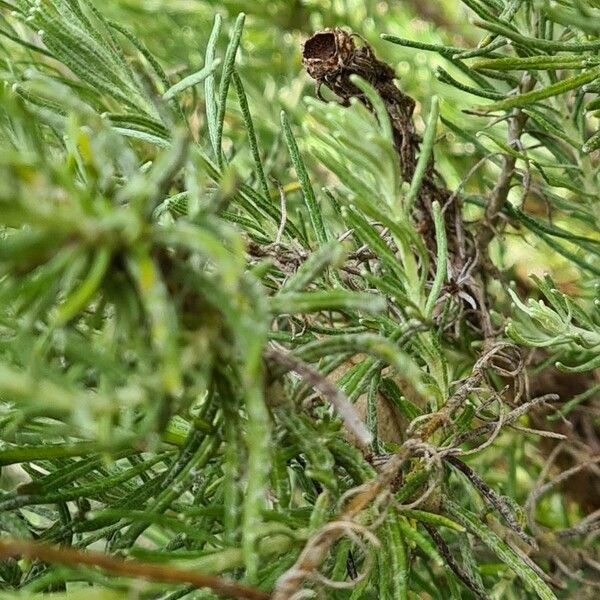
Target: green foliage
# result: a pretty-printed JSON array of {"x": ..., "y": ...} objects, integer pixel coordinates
[{"x": 170, "y": 209}]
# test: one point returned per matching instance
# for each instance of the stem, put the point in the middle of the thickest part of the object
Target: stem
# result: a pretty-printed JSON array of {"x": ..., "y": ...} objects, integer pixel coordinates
[
  {"x": 128, "y": 568},
  {"x": 502, "y": 187}
]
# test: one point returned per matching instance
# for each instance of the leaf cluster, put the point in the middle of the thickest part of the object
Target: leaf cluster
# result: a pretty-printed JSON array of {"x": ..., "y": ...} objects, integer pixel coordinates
[{"x": 169, "y": 240}]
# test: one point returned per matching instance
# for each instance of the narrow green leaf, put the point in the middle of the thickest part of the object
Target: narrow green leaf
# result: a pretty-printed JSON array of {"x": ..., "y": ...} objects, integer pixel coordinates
[
  {"x": 312, "y": 206},
  {"x": 422, "y": 542},
  {"x": 469, "y": 520},
  {"x": 442, "y": 259},
  {"x": 424, "y": 156},
  {"x": 226, "y": 75},
  {"x": 530, "y": 42},
  {"x": 447, "y": 51},
  {"x": 210, "y": 96},
  {"x": 398, "y": 552},
  {"x": 535, "y": 63},
  {"x": 589, "y": 365},
  {"x": 554, "y": 89},
  {"x": 243, "y": 100},
  {"x": 84, "y": 293},
  {"x": 432, "y": 519},
  {"x": 191, "y": 80},
  {"x": 341, "y": 300}
]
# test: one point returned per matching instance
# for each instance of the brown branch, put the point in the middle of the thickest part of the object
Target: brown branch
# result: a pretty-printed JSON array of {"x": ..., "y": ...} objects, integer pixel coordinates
[
  {"x": 585, "y": 526},
  {"x": 507, "y": 419},
  {"x": 541, "y": 490},
  {"x": 465, "y": 577},
  {"x": 362, "y": 496},
  {"x": 128, "y": 568},
  {"x": 338, "y": 400},
  {"x": 493, "y": 498},
  {"x": 499, "y": 195},
  {"x": 331, "y": 57}
]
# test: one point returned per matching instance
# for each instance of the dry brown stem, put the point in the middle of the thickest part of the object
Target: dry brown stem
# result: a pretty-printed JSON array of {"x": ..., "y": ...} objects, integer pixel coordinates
[{"x": 127, "y": 568}]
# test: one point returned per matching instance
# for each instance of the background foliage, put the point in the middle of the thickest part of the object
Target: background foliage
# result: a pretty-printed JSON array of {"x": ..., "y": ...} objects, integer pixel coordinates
[{"x": 180, "y": 217}]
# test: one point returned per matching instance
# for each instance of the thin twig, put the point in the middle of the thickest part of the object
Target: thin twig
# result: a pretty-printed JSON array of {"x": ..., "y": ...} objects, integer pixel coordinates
[
  {"x": 507, "y": 419},
  {"x": 501, "y": 189},
  {"x": 539, "y": 491},
  {"x": 338, "y": 400},
  {"x": 493, "y": 498},
  {"x": 127, "y": 568},
  {"x": 585, "y": 526},
  {"x": 469, "y": 582}
]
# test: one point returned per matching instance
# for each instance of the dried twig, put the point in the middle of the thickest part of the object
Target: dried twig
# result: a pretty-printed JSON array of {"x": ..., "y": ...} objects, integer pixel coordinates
[
  {"x": 469, "y": 582},
  {"x": 501, "y": 189},
  {"x": 576, "y": 576},
  {"x": 493, "y": 498},
  {"x": 507, "y": 419},
  {"x": 338, "y": 400},
  {"x": 127, "y": 568},
  {"x": 541, "y": 490},
  {"x": 316, "y": 549},
  {"x": 585, "y": 526}
]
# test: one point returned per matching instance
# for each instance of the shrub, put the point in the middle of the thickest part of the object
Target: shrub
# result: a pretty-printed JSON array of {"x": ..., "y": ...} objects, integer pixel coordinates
[{"x": 278, "y": 356}]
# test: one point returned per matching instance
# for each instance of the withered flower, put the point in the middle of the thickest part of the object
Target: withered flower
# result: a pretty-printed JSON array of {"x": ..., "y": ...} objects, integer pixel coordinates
[
  {"x": 327, "y": 52},
  {"x": 331, "y": 56}
]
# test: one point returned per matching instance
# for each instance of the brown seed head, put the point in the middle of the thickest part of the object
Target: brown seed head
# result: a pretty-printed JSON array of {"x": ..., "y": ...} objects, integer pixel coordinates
[{"x": 327, "y": 52}]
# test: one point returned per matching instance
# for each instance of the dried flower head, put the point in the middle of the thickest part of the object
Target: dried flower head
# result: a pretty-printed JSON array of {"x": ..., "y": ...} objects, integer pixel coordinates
[
  {"x": 331, "y": 56},
  {"x": 327, "y": 52}
]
